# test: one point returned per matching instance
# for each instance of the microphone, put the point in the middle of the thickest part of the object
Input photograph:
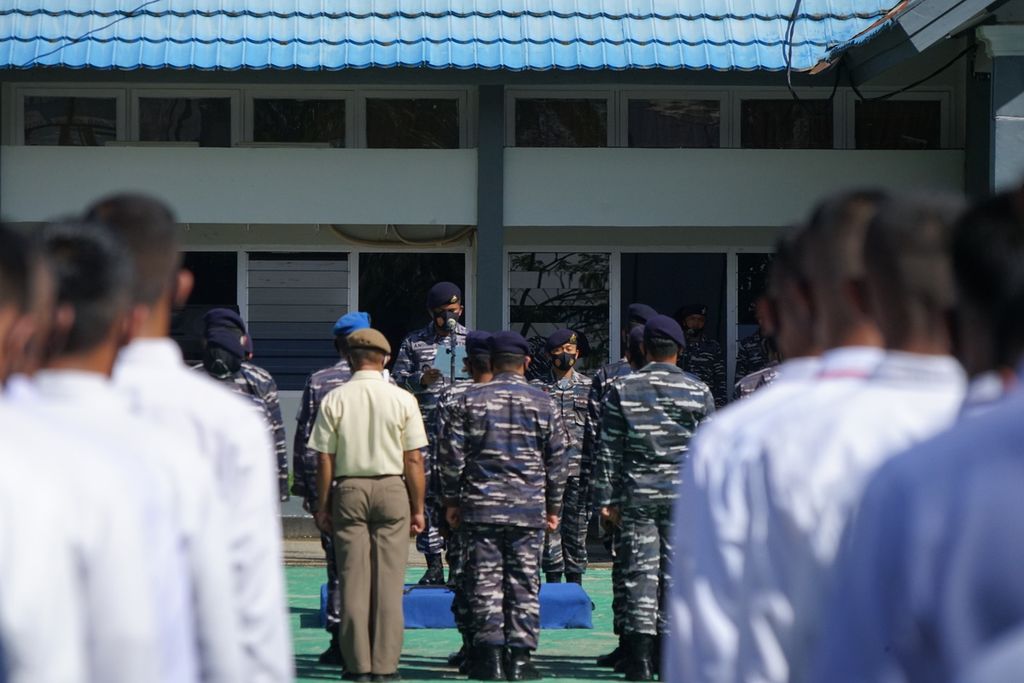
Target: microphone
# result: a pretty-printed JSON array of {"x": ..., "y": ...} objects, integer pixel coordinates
[{"x": 451, "y": 324}]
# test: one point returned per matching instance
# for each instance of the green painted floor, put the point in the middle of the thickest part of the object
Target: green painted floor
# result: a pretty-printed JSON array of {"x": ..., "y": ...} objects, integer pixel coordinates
[{"x": 564, "y": 655}]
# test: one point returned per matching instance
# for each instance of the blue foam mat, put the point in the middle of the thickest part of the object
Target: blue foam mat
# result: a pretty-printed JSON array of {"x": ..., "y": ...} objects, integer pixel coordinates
[{"x": 562, "y": 605}]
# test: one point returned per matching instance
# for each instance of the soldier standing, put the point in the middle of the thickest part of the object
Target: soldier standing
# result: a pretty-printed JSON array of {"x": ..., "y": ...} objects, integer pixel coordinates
[
  {"x": 702, "y": 357},
  {"x": 451, "y": 411},
  {"x": 304, "y": 460},
  {"x": 566, "y": 549},
  {"x": 414, "y": 370},
  {"x": 504, "y": 482},
  {"x": 247, "y": 378},
  {"x": 648, "y": 420},
  {"x": 755, "y": 351}
]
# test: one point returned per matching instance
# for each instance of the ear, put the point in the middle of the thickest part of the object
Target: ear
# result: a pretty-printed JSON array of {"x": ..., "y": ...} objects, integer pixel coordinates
[
  {"x": 183, "y": 287},
  {"x": 527, "y": 361}
]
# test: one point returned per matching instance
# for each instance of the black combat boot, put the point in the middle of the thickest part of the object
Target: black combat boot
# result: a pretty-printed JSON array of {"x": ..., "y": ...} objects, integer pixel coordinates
[
  {"x": 520, "y": 667},
  {"x": 487, "y": 663},
  {"x": 434, "y": 575},
  {"x": 639, "y": 657},
  {"x": 332, "y": 655},
  {"x": 456, "y": 659},
  {"x": 553, "y": 577},
  {"x": 572, "y": 577},
  {"x": 612, "y": 658}
]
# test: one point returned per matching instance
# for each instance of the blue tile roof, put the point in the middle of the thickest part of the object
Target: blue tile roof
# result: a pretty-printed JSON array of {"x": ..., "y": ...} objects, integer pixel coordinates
[{"x": 464, "y": 34}]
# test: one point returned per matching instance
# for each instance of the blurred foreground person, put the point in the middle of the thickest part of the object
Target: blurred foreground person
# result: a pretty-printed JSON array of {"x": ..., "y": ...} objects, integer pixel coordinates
[
  {"x": 929, "y": 581},
  {"x": 226, "y": 432},
  {"x": 713, "y": 514},
  {"x": 42, "y": 625},
  {"x": 369, "y": 434},
  {"x": 647, "y": 422}
]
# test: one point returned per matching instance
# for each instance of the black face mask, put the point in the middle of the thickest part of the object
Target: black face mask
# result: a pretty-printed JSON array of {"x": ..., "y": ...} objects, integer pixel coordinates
[
  {"x": 691, "y": 333},
  {"x": 563, "y": 361},
  {"x": 441, "y": 319},
  {"x": 220, "y": 363}
]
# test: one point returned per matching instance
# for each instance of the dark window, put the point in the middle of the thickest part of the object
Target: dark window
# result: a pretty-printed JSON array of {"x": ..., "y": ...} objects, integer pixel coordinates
[
  {"x": 561, "y": 123},
  {"x": 216, "y": 286},
  {"x": 205, "y": 120},
  {"x": 412, "y": 123},
  {"x": 674, "y": 123},
  {"x": 393, "y": 289},
  {"x": 294, "y": 300},
  {"x": 281, "y": 120},
  {"x": 549, "y": 291},
  {"x": 87, "y": 121},
  {"x": 898, "y": 124},
  {"x": 786, "y": 124},
  {"x": 752, "y": 282}
]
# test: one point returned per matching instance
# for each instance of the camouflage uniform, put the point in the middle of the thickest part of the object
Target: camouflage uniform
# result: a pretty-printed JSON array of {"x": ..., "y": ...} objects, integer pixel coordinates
[
  {"x": 755, "y": 380},
  {"x": 703, "y": 359},
  {"x": 417, "y": 353},
  {"x": 649, "y": 418},
  {"x": 566, "y": 549},
  {"x": 752, "y": 355},
  {"x": 505, "y": 470}
]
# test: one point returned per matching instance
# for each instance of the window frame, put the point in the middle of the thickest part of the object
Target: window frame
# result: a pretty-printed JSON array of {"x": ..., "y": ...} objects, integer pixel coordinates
[
  {"x": 561, "y": 93},
  {"x": 250, "y": 95},
  {"x": 419, "y": 93},
  {"x": 233, "y": 94},
  {"x": 839, "y": 126},
  {"x": 725, "y": 119},
  {"x": 17, "y": 131},
  {"x": 943, "y": 95}
]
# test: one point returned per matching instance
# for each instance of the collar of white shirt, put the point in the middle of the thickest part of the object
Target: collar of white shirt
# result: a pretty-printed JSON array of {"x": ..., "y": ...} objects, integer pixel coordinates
[
  {"x": 796, "y": 369},
  {"x": 850, "y": 362},
  {"x": 900, "y": 367},
  {"x": 367, "y": 374},
  {"x": 150, "y": 352},
  {"x": 75, "y": 384}
]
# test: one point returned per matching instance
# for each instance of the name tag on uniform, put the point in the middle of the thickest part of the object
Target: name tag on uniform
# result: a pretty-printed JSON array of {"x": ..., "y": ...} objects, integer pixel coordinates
[{"x": 443, "y": 360}]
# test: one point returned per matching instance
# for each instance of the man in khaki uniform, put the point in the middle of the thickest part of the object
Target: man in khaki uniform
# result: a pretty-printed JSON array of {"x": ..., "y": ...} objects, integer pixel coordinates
[{"x": 368, "y": 435}]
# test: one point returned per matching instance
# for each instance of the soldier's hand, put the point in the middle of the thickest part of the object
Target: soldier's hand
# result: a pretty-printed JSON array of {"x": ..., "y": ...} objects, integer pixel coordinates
[
  {"x": 612, "y": 515},
  {"x": 552, "y": 523},
  {"x": 429, "y": 376},
  {"x": 323, "y": 522},
  {"x": 417, "y": 523},
  {"x": 454, "y": 517}
]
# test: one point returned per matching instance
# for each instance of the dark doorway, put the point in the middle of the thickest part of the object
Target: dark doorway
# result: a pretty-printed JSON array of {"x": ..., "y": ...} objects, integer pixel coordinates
[{"x": 216, "y": 286}]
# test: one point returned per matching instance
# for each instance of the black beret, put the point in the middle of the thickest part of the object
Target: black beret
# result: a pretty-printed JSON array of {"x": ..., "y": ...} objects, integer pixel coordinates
[
  {"x": 442, "y": 294},
  {"x": 478, "y": 343},
  {"x": 509, "y": 342},
  {"x": 692, "y": 309},
  {"x": 639, "y": 313},
  {"x": 560, "y": 338},
  {"x": 636, "y": 336},
  {"x": 223, "y": 338},
  {"x": 664, "y": 327},
  {"x": 223, "y": 317}
]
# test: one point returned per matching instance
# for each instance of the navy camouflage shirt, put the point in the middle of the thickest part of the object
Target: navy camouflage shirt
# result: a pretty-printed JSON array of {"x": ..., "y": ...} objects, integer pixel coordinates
[
  {"x": 417, "y": 353},
  {"x": 570, "y": 396}
]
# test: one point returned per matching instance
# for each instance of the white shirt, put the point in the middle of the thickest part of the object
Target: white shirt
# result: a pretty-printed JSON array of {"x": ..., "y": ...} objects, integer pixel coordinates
[
  {"x": 805, "y": 483},
  {"x": 97, "y": 505},
  {"x": 709, "y": 529},
  {"x": 86, "y": 405},
  {"x": 42, "y": 636},
  {"x": 234, "y": 442}
]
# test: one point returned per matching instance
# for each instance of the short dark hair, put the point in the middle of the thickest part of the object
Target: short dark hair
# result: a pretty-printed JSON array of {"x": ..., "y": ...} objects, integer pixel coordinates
[
  {"x": 479, "y": 363},
  {"x": 785, "y": 267},
  {"x": 147, "y": 228},
  {"x": 659, "y": 347},
  {"x": 93, "y": 275},
  {"x": 359, "y": 357},
  {"x": 988, "y": 266},
  {"x": 16, "y": 260},
  {"x": 502, "y": 362}
]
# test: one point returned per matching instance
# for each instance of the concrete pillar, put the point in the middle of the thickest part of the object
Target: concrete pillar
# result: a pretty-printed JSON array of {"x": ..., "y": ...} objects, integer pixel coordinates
[
  {"x": 1004, "y": 44},
  {"x": 490, "y": 209}
]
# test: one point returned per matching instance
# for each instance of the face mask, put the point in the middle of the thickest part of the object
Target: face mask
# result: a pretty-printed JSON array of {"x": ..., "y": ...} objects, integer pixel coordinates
[
  {"x": 691, "y": 333},
  {"x": 563, "y": 361},
  {"x": 442, "y": 318}
]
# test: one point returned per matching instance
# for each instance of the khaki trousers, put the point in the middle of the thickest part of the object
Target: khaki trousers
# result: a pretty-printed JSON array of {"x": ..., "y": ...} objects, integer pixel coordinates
[{"x": 371, "y": 544}]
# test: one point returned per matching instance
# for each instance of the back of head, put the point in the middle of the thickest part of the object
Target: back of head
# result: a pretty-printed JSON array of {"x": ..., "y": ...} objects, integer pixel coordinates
[
  {"x": 831, "y": 250},
  {"x": 146, "y": 227},
  {"x": 988, "y": 264},
  {"x": 909, "y": 270},
  {"x": 94, "y": 279},
  {"x": 15, "y": 270}
]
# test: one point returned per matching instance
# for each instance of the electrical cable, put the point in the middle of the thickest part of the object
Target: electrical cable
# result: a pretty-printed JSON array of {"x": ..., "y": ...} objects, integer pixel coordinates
[
  {"x": 788, "y": 46},
  {"x": 389, "y": 229},
  {"x": 951, "y": 62}
]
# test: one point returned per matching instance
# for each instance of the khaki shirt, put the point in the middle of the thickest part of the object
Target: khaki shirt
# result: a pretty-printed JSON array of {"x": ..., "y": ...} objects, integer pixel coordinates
[{"x": 368, "y": 424}]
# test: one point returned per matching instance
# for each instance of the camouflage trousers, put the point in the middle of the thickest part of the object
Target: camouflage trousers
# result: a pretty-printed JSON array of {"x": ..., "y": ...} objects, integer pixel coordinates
[
  {"x": 456, "y": 555},
  {"x": 618, "y": 582},
  {"x": 645, "y": 544},
  {"x": 429, "y": 541},
  {"x": 333, "y": 594},
  {"x": 502, "y": 583},
  {"x": 565, "y": 550}
]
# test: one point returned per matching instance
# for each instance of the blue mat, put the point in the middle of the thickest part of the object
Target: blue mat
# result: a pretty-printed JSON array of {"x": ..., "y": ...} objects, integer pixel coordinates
[{"x": 562, "y": 605}]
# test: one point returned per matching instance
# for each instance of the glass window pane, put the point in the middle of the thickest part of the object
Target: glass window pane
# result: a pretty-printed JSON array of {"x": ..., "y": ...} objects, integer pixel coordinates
[
  {"x": 561, "y": 123},
  {"x": 674, "y": 123},
  {"x": 898, "y": 124},
  {"x": 205, "y": 120},
  {"x": 88, "y": 121},
  {"x": 786, "y": 124},
  {"x": 752, "y": 283},
  {"x": 549, "y": 291},
  {"x": 285, "y": 120},
  {"x": 412, "y": 124},
  {"x": 216, "y": 286}
]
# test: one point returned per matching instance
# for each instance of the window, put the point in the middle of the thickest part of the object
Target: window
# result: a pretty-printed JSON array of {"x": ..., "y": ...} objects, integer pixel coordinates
[
  {"x": 216, "y": 286},
  {"x": 85, "y": 121},
  {"x": 898, "y": 124},
  {"x": 674, "y": 123},
  {"x": 786, "y": 124},
  {"x": 751, "y": 283},
  {"x": 422, "y": 123},
  {"x": 549, "y": 291},
  {"x": 204, "y": 120},
  {"x": 548, "y": 122},
  {"x": 299, "y": 121},
  {"x": 294, "y": 300}
]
